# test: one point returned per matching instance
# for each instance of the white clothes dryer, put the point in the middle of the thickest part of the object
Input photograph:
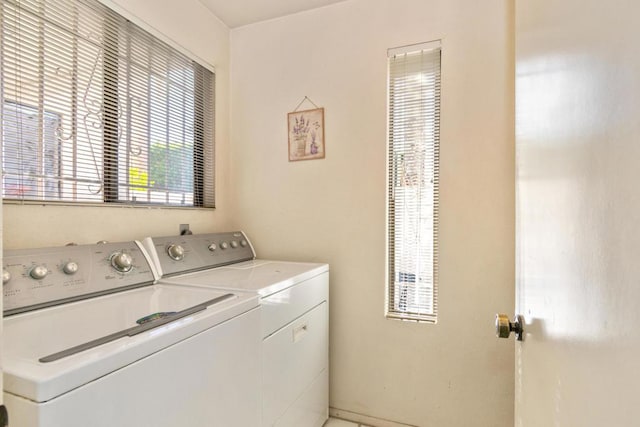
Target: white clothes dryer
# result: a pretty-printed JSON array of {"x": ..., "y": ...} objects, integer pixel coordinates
[{"x": 294, "y": 299}]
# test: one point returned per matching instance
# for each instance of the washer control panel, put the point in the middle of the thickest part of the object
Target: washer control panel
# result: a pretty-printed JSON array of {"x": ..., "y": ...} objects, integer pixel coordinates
[
  {"x": 36, "y": 278},
  {"x": 181, "y": 254}
]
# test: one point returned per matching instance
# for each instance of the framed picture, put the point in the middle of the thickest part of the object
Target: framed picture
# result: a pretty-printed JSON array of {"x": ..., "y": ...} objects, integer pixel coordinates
[{"x": 306, "y": 134}]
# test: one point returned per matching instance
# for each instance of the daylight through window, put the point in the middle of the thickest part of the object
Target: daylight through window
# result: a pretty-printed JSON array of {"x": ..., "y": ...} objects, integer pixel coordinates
[
  {"x": 414, "y": 134},
  {"x": 97, "y": 110}
]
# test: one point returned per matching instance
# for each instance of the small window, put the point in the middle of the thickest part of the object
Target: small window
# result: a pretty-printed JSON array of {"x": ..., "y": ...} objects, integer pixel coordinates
[
  {"x": 414, "y": 137},
  {"x": 97, "y": 110}
]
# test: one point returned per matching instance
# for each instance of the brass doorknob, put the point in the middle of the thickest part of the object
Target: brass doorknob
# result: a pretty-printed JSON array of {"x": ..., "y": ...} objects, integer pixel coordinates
[{"x": 504, "y": 327}]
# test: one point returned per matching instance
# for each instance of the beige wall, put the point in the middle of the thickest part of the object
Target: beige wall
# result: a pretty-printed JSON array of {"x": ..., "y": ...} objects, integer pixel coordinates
[
  {"x": 191, "y": 25},
  {"x": 451, "y": 374}
]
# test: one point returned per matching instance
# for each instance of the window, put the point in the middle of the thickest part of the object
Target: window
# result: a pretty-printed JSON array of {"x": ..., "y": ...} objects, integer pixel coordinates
[
  {"x": 414, "y": 135},
  {"x": 97, "y": 110}
]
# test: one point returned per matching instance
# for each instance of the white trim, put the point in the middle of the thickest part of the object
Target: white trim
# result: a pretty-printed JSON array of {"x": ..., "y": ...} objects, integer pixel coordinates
[
  {"x": 156, "y": 33},
  {"x": 364, "y": 420},
  {"x": 419, "y": 47}
]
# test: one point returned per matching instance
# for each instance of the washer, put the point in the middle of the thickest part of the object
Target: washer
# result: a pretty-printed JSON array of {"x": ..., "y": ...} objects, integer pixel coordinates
[
  {"x": 90, "y": 340},
  {"x": 294, "y": 298}
]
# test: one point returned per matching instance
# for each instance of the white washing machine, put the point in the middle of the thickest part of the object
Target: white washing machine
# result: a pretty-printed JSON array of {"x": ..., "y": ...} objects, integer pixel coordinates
[
  {"x": 89, "y": 340},
  {"x": 294, "y": 298}
]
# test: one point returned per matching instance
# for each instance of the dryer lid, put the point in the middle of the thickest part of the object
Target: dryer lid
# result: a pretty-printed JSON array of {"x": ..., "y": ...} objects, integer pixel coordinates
[{"x": 264, "y": 277}]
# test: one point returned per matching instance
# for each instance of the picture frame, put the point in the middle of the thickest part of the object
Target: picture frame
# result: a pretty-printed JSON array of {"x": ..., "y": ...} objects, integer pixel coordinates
[{"x": 306, "y": 134}]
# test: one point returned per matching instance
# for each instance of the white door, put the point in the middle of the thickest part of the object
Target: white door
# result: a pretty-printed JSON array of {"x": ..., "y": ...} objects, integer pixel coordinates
[
  {"x": 3, "y": 414},
  {"x": 578, "y": 212}
]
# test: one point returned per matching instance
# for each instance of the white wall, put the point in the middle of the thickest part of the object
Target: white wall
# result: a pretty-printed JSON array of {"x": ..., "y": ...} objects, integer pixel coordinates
[
  {"x": 191, "y": 25},
  {"x": 451, "y": 374}
]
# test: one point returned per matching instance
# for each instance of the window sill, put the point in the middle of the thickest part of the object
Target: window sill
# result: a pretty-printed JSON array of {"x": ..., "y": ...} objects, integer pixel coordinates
[
  {"x": 414, "y": 318},
  {"x": 101, "y": 205}
]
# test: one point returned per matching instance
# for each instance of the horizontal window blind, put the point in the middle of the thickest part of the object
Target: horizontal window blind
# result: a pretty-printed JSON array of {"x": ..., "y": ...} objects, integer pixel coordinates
[
  {"x": 97, "y": 110},
  {"x": 414, "y": 134}
]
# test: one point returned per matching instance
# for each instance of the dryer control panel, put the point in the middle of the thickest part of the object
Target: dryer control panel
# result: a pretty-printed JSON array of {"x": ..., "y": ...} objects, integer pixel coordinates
[
  {"x": 38, "y": 278},
  {"x": 193, "y": 252}
]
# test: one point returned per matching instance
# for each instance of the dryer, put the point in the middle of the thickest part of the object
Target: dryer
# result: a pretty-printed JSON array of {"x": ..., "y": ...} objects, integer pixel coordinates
[
  {"x": 90, "y": 340},
  {"x": 294, "y": 299}
]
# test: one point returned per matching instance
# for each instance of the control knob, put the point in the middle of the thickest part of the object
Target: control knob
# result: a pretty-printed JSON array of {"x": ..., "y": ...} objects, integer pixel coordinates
[
  {"x": 175, "y": 252},
  {"x": 212, "y": 247},
  {"x": 70, "y": 268},
  {"x": 39, "y": 272},
  {"x": 122, "y": 262},
  {"x": 6, "y": 276},
  {"x": 243, "y": 243},
  {"x": 224, "y": 245},
  {"x": 234, "y": 244}
]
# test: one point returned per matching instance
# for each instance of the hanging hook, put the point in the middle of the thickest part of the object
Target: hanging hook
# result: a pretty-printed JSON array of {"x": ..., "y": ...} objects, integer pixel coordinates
[{"x": 306, "y": 98}]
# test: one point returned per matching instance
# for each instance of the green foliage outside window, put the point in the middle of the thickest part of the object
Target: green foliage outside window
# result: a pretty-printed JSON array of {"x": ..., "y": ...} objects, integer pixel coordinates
[{"x": 171, "y": 165}]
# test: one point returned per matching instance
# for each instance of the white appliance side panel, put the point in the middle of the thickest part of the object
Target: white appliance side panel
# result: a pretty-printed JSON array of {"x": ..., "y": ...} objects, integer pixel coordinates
[
  {"x": 209, "y": 380},
  {"x": 282, "y": 307},
  {"x": 292, "y": 359},
  {"x": 312, "y": 408}
]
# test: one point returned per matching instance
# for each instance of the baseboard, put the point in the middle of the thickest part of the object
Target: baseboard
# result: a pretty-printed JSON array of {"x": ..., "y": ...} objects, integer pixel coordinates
[{"x": 364, "y": 419}]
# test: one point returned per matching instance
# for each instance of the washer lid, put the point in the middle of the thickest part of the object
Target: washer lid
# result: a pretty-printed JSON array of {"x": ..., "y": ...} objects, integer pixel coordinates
[
  {"x": 262, "y": 276},
  {"x": 28, "y": 337}
]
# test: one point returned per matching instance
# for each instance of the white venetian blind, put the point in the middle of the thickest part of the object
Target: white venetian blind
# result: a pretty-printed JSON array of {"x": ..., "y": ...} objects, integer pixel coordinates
[
  {"x": 414, "y": 134},
  {"x": 97, "y": 110}
]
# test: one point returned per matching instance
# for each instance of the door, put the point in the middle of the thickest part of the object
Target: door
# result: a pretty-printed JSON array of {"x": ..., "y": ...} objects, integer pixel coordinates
[
  {"x": 3, "y": 411},
  {"x": 578, "y": 212}
]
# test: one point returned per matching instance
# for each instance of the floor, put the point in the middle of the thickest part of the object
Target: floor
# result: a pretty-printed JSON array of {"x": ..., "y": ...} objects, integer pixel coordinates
[{"x": 334, "y": 422}]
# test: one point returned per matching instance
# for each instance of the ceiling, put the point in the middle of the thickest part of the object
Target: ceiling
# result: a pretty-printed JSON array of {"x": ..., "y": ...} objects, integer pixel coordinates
[{"x": 235, "y": 13}]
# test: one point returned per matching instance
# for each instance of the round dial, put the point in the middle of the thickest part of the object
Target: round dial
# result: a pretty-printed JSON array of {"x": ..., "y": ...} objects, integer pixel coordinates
[
  {"x": 175, "y": 252},
  {"x": 6, "y": 276},
  {"x": 121, "y": 261},
  {"x": 234, "y": 244},
  {"x": 70, "y": 268},
  {"x": 224, "y": 245},
  {"x": 243, "y": 243},
  {"x": 39, "y": 272},
  {"x": 212, "y": 247}
]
